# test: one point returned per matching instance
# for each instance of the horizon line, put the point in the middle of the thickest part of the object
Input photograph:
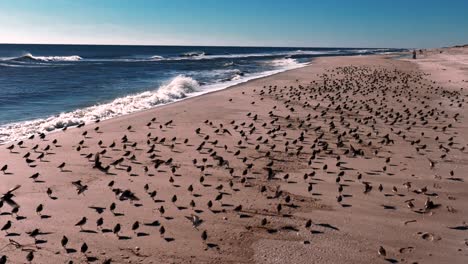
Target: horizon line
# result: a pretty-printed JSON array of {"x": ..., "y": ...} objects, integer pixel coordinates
[{"x": 182, "y": 45}]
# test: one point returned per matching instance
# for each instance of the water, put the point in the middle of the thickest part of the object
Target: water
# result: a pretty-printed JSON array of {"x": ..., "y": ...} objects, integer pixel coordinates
[{"x": 48, "y": 87}]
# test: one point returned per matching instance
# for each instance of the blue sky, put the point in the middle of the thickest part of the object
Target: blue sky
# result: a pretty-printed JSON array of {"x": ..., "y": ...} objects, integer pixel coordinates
[{"x": 302, "y": 23}]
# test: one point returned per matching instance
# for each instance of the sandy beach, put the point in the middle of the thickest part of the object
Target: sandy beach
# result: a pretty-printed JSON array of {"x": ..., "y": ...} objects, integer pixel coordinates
[{"x": 358, "y": 159}]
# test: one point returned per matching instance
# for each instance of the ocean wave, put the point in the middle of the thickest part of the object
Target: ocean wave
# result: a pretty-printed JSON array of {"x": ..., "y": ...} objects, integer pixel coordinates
[
  {"x": 156, "y": 58},
  {"x": 284, "y": 62},
  {"x": 178, "y": 88},
  {"x": 30, "y": 57},
  {"x": 192, "y": 54},
  {"x": 204, "y": 56}
]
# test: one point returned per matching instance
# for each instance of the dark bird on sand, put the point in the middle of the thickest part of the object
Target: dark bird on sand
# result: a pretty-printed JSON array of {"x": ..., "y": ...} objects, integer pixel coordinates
[
  {"x": 8, "y": 197},
  {"x": 80, "y": 188},
  {"x": 82, "y": 222}
]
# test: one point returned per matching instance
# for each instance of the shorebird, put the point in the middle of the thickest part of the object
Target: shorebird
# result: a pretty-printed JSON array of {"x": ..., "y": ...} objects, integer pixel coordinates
[
  {"x": 6, "y": 227},
  {"x": 135, "y": 226},
  {"x": 117, "y": 229},
  {"x": 382, "y": 252},
  {"x": 64, "y": 241},
  {"x": 84, "y": 248},
  {"x": 80, "y": 188},
  {"x": 34, "y": 176},
  {"x": 4, "y": 168},
  {"x": 8, "y": 197},
  {"x": 30, "y": 256},
  {"x": 61, "y": 166},
  {"x": 196, "y": 221},
  {"x": 82, "y": 222}
]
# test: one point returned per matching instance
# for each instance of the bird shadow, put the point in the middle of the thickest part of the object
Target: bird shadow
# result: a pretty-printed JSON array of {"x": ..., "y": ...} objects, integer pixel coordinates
[
  {"x": 41, "y": 241},
  {"x": 88, "y": 231},
  {"x": 124, "y": 237},
  {"x": 391, "y": 260},
  {"x": 169, "y": 239},
  {"x": 461, "y": 228},
  {"x": 119, "y": 214},
  {"x": 316, "y": 232},
  {"x": 70, "y": 250},
  {"x": 91, "y": 259},
  {"x": 12, "y": 234},
  {"x": 154, "y": 223},
  {"x": 45, "y": 216},
  {"x": 212, "y": 245},
  {"x": 328, "y": 226},
  {"x": 141, "y": 234},
  {"x": 272, "y": 230}
]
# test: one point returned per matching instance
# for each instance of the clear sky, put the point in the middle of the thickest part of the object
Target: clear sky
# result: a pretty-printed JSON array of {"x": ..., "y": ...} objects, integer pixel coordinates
[{"x": 303, "y": 23}]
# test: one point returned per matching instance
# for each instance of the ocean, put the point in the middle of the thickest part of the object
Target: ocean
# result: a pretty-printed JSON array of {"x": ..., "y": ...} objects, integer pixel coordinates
[{"x": 49, "y": 87}]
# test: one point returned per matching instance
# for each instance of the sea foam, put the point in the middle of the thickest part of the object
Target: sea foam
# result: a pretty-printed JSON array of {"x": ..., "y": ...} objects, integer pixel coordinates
[
  {"x": 178, "y": 88},
  {"x": 30, "y": 57}
]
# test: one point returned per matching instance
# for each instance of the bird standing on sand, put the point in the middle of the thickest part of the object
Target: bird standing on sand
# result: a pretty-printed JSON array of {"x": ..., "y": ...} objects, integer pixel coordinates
[
  {"x": 61, "y": 166},
  {"x": 6, "y": 227},
  {"x": 82, "y": 222},
  {"x": 382, "y": 252}
]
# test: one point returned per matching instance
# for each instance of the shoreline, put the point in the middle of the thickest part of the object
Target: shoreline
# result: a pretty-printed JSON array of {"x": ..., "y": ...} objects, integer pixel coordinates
[
  {"x": 291, "y": 122},
  {"x": 190, "y": 95},
  {"x": 197, "y": 93}
]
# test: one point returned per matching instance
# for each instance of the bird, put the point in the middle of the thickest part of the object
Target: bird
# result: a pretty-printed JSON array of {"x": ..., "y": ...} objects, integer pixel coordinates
[
  {"x": 196, "y": 221},
  {"x": 30, "y": 256},
  {"x": 34, "y": 176},
  {"x": 8, "y": 197},
  {"x": 382, "y": 252},
  {"x": 39, "y": 209},
  {"x": 6, "y": 226},
  {"x": 84, "y": 248},
  {"x": 64, "y": 241},
  {"x": 117, "y": 229},
  {"x": 4, "y": 168},
  {"x": 162, "y": 230},
  {"x": 80, "y": 188},
  {"x": 61, "y": 166},
  {"x": 82, "y": 222},
  {"x": 135, "y": 226},
  {"x": 204, "y": 235}
]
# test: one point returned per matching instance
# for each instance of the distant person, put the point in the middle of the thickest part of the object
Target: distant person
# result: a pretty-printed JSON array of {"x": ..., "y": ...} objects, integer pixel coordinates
[{"x": 414, "y": 54}]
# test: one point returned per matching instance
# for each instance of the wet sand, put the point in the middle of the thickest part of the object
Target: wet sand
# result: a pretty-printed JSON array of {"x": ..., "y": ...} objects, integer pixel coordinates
[{"x": 255, "y": 163}]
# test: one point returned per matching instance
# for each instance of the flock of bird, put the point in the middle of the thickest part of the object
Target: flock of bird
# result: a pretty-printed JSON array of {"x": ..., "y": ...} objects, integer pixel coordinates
[{"x": 240, "y": 171}]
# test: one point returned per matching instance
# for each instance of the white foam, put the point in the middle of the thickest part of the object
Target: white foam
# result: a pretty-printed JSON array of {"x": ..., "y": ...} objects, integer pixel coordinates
[
  {"x": 48, "y": 58},
  {"x": 178, "y": 88},
  {"x": 156, "y": 57},
  {"x": 285, "y": 62}
]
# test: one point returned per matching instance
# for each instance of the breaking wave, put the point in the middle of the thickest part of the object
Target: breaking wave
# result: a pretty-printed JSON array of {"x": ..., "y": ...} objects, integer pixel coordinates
[
  {"x": 30, "y": 57},
  {"x": 178, "y": 88}
]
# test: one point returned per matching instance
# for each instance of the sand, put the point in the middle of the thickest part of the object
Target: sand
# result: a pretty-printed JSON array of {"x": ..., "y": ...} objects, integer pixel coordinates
[{"x": 362, "y": 100}]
